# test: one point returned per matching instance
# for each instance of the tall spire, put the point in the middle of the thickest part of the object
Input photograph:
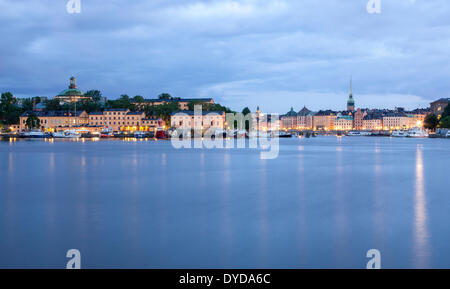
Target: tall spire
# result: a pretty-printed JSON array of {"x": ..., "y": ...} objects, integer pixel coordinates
[
  {"x": 351, "y": 87},
  {"x": 351, "y": 101}
]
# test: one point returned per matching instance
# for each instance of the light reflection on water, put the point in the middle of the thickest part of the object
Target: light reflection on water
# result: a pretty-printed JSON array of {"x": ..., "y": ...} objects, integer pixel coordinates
[
  {"x": 322, "y": 203},
  {"x": 421, "y": 247}
]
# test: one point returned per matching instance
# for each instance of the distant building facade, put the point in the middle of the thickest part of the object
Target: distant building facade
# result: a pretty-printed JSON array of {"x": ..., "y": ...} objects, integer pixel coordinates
[{"x": 54, "y": 120}]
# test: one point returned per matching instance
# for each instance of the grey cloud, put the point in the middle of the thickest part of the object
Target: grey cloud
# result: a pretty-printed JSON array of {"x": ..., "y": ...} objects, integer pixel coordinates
[{"x": 269, "y": 52}]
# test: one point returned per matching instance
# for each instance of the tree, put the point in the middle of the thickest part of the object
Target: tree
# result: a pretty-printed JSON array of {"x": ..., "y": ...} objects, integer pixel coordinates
[
  {"x": 431, "y": 122},
  {"x": 445, "y": 122},
  {"x": 9, "y": 111},
  {"x": 246, "y": 111},
  {"x": 446, "y": 112},
  {"x": 33, "y": 121},
  {"x": 27, "y": 104},
  {"x": 138, "y": 99},
  {"x": 53, "y": 104},
  {"x": 96, "y": 95},
  {"x": 164, "y": 96}
]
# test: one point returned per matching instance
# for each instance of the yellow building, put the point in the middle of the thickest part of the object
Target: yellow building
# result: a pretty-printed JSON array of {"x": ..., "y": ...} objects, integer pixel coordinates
[
  {"x": 372, "y": 123},
  {"x": 343, "y": 123},
  {"x": 124, "y": 120},
  {"x": 324, "y": 120},
  {"x": 56, "y": 120},
  {"x": 395, "y": 121}
]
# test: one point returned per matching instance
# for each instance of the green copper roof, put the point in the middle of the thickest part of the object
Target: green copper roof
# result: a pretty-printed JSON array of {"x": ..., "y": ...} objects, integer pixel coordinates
[{"x": 70, "y": 92}]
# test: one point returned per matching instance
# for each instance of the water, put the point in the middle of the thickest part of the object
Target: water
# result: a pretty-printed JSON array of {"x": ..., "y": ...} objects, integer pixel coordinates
[{"x": 323, "y": 203}]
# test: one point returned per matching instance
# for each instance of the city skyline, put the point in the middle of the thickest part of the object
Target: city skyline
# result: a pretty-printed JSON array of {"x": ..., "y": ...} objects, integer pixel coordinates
[{"x": 274, "y": 54}]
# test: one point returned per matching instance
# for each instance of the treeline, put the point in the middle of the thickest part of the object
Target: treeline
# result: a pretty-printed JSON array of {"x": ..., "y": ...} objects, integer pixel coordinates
[{"x": 10, "y": 109}]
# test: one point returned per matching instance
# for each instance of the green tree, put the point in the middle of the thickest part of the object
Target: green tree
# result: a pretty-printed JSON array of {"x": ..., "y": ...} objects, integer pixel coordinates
[
  {"x": 445, "y": 122},
  {"x": 164, "y": 96},
  {"x": 53, "y": 104},
  {"x": 246, "y": 111},
  {"x": 96, "y": 95},
  {"x": 27, "y": 104},
  {"x": 138, "y": 98},
  {"x": 33, "y": 121},
  {"x": 9, "y": 111},
  {"x": 431, "y": 122},
  {"x": 446, "y": 112}
]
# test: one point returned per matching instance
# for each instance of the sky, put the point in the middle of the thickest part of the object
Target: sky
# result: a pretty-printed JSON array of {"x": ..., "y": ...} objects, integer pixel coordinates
[{"x": 271, "y": 53}]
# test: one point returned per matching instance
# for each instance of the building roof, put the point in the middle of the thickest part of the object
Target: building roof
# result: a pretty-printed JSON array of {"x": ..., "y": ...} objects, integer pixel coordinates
[
  {"x": 443, "y": 100},
  {"x": 71, "y": 92},
  {"x": 117, "y": 109},
  {"x": 304, "y": 112},
  {"x": 177, "y": 100},
  {"x": 346, "y": 117},
  {"x": 291, "y": 112},
  {"x": 135, "y": 113},
  {"x": 53, "y": 113},
  {"x": 325, "y": 112}
]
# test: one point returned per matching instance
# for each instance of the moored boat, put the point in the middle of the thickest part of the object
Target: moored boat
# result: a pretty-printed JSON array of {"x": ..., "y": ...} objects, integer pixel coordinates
[
  {"x": 417, "y": 132},
  {"x": 34, "y": 134},
  {"x": 398, "y": 133}
]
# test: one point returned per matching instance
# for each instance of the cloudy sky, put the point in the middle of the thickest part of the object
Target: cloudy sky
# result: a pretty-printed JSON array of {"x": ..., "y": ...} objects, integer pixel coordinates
[{"x": 272, "y": 53}]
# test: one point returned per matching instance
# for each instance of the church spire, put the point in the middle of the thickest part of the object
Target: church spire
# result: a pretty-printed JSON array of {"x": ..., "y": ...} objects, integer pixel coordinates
[
  {"x": 351, "y": 101},
  {"x": 351, "y": 87}
]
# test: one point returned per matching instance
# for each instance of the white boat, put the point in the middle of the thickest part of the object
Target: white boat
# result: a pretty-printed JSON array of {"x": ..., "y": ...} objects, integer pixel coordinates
[
  {"x": 398, "y": 133},
  {"x": 284, "y": 134},
  {"x": 139, "y": 134},
  {"x": 359, "y": 133},
  {"x": 67, "y": 134},
  {"x": 448, "y": 134},
  {"x": 417, "y": 132},
  {"x": 34, "y": 134}
]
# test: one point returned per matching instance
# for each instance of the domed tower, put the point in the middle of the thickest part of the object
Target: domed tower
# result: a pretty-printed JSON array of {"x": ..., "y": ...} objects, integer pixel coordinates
[
  {"x": 73, "y": 94},
  {"x": 72, "y": 83},
  {"x": 350, "y": 101}
]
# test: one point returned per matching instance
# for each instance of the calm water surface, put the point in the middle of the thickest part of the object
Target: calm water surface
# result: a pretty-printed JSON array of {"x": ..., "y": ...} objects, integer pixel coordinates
[{"x": 321, "y": 204}]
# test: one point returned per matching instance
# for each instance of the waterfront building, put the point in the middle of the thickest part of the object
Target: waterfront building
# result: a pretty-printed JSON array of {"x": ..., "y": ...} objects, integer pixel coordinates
[
  {"x": 289, "y": 120},
  {"x": 182, "y": 102},
  {"x": 72, "y": 94},
  {"x": 396, "y": 121},
  {"x": 120, "y": 119},
  {"x": 343, "y": 122},
  {"x": 372, "y": 122},
  {"x": 350, "y": 101},
  {"x": 54, "y": 120},
  {"x": 358, "y": 119},
  {"x": 305, "y": 119},
  {"x": 205, "y": 120},
  {"x": 437, "y": 107},
  {"x": 154, "y": 122},
  {"x": 324, "y": 120}
]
